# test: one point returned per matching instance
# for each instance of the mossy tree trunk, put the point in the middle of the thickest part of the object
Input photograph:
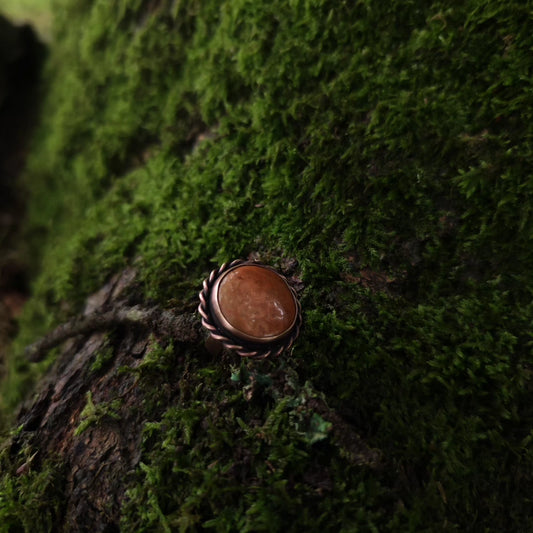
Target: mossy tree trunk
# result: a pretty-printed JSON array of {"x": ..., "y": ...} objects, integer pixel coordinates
[
  {"x": 91, "y": 408},
  {"x": 384, "y": 151},
  {"x": 89, "y": 414}
]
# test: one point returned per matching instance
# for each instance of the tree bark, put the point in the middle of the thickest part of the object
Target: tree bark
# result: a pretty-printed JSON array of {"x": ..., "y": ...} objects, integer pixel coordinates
[{"x": 98, "y": 459}]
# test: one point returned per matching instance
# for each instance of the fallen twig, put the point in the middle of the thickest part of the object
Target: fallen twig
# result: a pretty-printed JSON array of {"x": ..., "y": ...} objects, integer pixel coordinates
[{"x": 182, "y": 328}]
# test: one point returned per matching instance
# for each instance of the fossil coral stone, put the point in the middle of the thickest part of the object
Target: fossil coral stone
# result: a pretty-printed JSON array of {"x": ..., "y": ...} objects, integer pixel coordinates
[{"x": 256, "y": 303}]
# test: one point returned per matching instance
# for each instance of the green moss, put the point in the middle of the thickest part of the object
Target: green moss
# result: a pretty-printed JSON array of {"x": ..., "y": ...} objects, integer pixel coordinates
[
  {"x": 30, "y": 492},
  {"x": 386, "y": 147},
  {"x": 231, "y": 459},
  {"x": 93, "y": 414},
  {"x": 103, "y": 357}
]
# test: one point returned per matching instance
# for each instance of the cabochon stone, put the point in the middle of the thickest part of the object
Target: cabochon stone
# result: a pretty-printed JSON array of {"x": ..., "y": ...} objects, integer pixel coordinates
[{"x": 256, "y": 301}]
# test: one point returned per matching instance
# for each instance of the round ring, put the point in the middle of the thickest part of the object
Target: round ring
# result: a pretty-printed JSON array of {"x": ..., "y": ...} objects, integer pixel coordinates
[{"x": 251, "y": 309}]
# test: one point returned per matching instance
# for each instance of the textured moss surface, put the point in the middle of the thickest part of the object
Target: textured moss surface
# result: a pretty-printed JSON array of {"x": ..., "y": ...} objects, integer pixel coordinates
[{"x": 385, "y": 146}]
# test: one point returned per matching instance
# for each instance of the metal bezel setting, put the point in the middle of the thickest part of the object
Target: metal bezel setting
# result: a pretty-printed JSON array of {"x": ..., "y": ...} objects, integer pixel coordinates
[{"x": 220, "y": 330}]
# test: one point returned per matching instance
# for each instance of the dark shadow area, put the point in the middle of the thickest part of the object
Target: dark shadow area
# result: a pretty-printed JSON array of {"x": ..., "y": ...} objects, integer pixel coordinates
[{"x": 21, "y": 59}]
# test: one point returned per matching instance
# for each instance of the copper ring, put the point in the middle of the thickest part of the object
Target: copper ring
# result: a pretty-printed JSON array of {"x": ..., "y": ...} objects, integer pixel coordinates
[{"x": 246, "y": 345}]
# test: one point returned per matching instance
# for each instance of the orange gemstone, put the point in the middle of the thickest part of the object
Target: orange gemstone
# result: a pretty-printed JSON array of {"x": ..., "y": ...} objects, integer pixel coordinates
[{"x": 256, "y": 302}]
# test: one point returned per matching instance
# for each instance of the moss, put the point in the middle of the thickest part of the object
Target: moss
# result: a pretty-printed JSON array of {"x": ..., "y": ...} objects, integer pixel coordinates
[
  {"x": 94, "y": 413},
  {"x": 30, "y": 492},
  {"x": 103, "y": 357},
  {"x": 231, "y": 459},
  {"x": 385, "y": 147}
]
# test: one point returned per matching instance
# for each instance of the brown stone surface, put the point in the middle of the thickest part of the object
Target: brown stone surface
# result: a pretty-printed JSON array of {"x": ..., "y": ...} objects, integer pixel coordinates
[{"x": 256, "y": 301}]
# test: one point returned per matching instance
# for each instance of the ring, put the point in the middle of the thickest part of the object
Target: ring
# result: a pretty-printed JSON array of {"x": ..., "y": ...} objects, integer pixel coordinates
[{"x": 249, "y": 308}]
